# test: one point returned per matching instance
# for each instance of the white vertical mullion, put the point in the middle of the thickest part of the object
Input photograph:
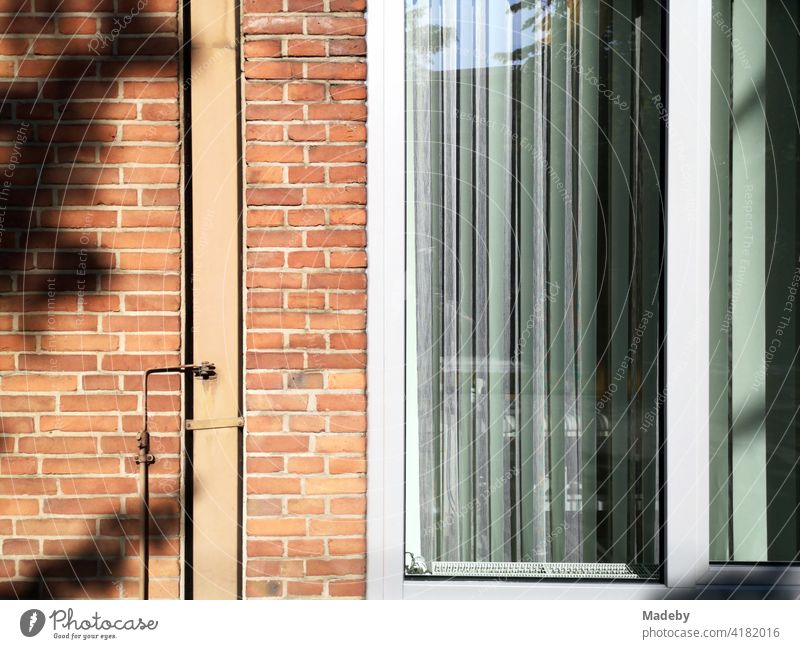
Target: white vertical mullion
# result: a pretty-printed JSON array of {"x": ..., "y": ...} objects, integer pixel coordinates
[
  {"x": 385, "y": 327},
  {"x": 687, "y": 312}
]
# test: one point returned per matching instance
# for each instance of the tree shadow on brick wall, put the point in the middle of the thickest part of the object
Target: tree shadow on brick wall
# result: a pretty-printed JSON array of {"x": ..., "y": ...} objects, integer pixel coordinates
[
  {"x": 105, "y": 565},
  {"x": 63, "y": 108},
  {"x": 62, "y": 116}
]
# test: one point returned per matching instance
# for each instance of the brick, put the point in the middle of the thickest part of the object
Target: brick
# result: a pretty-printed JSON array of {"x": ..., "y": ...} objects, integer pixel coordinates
[
  {"x": 304, "y": 588},
  {"x": 347, "y": 381},
  {"x": 306, "y": 48},
  {"x": 26, "y": 403},
  {"x": 264, "y": 506},
  {"x": 276, "y": 526},
  {"x": 273, "y": 486},
  {"x": 20, "y": 547},
  {"x": 80, "y": 466},
  {"x": 17, "y": 466},
  {"x": 79, "y": 423},
  {"x": 317, "y": 486},
  {"x": 348, "y": 588},
  {"x": 16, "y": 425},
  {"x": 306, "y": 91},
  {"x": 272, "y": 25},
  {"x": 336, "y": 71},
  {"x": 106, "y": 548},
  {"x": 349, "y": 47},
  {"x": 347, "y": 465},
  {"x": 80, "y": 342},
  {"x": 336, "y": 567},
  {"x": 341, "y": 402},
  {"x": 356, "y": 505},
  {"x": 273, "y": 70},
  {"x": 275, "y": 568},
  {"x": 336, "y": 527},
  {"x": 306, "y": 465},
  {"x": 265, "y": 548},
  {"x": 99, "y": 485},
  {"x": 337, "y": 25},
  {"x": 57, "y": 527},
  {"x": 265, "y": 465},
  {"x": 339, "y": 444},
  {"x": 356, "y": 545},
  {"x": 99, "y": 403},
  {"x": 277, "y": 443},
  {"x": 264, "y": 174},
  {"x": 305, "y": 548},
  {"x": 18, "y": 507},
  {"x": 84, "y": 506},
  {"x": 305, "y": 506},
  {"x": 275, "y": 153}
]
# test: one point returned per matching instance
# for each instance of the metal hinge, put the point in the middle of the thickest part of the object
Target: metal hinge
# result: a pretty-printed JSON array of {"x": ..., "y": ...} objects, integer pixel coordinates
[{"x": 205, "y": 424}]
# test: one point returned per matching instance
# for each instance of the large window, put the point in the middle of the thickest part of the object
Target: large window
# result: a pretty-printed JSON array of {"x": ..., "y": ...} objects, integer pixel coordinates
[
  {"x": 755, "y": 338},
  {"x": 534, "y": 200},
  {"x": 602, "y": 264}
]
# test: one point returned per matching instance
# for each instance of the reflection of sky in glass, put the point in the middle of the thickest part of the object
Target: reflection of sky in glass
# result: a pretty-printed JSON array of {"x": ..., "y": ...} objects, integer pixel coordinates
[{"x": 512, "y": 28}]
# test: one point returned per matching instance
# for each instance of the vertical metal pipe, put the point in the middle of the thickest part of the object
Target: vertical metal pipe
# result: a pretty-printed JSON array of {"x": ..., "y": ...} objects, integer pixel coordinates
[
  {"x": 143, "y": 530},
  {"x": 144, "y": 459}
]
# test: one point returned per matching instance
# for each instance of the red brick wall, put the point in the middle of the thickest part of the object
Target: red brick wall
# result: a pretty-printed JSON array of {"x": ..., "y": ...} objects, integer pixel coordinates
[
  {"x": 91, "y": 243},
  {"x": 305, "y": 107},
  {"x": 90, "y": 291}
]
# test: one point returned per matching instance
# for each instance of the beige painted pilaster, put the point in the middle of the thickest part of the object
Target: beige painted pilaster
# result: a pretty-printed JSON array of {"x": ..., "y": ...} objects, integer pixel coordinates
[{"x": 216, "y": 288}]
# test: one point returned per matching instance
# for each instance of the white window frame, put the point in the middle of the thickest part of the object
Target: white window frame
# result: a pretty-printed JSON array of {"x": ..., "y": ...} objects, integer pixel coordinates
[{"x": 687, "y": 571}]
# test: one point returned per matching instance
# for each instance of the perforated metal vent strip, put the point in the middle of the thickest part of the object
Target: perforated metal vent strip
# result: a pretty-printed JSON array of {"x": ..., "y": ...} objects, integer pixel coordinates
[{"x": 541, "y": 570}]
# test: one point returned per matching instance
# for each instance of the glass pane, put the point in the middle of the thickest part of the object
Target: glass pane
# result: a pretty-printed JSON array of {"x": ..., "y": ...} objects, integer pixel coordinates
[
  {"x": 534, "y": 171},
  {"x": 755, "y": 271}
]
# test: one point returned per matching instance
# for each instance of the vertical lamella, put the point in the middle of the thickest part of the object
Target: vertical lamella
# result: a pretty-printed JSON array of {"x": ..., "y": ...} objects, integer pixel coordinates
[
  {"x": 482, "y": 513},
  {"x": 530, "y": 393},
  {"x": 719, "y": 316},
  {"x": 748, "y": 329},
  {"x": 542, "y": 291},
  {"x": 589, "y": 45},
  {"x": 516, "y": 299},
  {"x": 499, "y": 302},
  {"x": 648, "y": 215},
  {"x": 620, "y": 214},
  {"x": 572, "y": 449},
  {"x": 635, "y": 310},
  {"x": 465, "y": 125},
  {"x": 423, "y": 207},
  {"x": 451, "y": 505},
  {"x": 556, "y": 232}
]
